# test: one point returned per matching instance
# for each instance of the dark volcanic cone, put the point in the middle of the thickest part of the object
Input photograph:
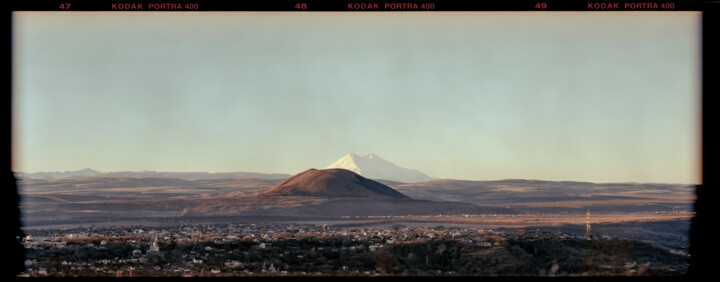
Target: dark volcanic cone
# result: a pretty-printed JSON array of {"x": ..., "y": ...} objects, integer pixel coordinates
[{"x": 332, "y": 183}]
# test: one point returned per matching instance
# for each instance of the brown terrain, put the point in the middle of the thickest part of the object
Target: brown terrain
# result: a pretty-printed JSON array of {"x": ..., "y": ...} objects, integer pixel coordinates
[
  {"x": 337, "y": 193},
  {"x": 332, "y": 183}
]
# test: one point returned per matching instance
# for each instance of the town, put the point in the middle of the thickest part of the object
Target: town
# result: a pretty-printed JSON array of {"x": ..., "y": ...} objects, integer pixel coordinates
[{"x": 291, "y": 249}]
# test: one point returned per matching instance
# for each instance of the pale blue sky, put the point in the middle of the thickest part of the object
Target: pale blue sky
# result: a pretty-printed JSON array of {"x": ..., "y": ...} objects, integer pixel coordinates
[{"x": 602, "y": 97}]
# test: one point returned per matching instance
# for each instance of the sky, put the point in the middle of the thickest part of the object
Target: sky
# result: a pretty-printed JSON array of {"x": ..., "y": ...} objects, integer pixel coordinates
[{"x": 580, "y": 96}]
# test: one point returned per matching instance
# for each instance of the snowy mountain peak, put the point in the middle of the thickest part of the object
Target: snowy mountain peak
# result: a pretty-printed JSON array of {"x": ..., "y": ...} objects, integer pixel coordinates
[
  {"x": 374, "y": 157},
  {"x": 374, "y": 167}
]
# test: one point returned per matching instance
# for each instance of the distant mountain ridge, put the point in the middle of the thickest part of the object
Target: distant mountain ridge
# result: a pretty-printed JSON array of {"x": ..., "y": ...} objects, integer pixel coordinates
[
  {"x": 375, "y": 167},
  {"x": 332, "y": 183},
  {"x": 148, "y": 174}
]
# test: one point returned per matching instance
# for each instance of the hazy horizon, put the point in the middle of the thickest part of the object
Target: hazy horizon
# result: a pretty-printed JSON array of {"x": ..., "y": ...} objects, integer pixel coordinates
[
  {"x": 320, "y": 168},
  {"x": 560, "y": 96}
]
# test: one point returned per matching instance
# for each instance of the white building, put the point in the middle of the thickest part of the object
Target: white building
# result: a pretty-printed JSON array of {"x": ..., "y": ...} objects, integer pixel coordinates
[
  {"x": 154, "y": 247},
  {"x": 272, "y": 269}
]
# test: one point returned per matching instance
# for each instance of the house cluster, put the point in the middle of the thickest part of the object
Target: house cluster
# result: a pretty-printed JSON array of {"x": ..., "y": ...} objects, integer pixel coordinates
[{"x": 213, "y": 250}]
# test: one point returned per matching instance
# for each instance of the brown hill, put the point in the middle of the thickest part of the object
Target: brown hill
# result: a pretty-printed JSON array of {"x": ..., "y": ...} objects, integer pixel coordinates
[{"x": 332, "y": 183}]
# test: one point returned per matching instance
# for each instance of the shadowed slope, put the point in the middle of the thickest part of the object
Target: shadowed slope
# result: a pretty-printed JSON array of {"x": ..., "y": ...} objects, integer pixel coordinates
[{"x": 332, "y": 183}]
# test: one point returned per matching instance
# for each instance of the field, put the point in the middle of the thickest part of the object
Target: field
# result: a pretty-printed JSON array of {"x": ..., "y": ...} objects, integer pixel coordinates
[{"x": 529, "y": 203}]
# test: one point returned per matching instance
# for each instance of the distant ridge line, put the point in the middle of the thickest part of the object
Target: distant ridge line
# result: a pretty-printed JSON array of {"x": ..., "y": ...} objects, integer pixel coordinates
[{"x": 148, "y": 174}]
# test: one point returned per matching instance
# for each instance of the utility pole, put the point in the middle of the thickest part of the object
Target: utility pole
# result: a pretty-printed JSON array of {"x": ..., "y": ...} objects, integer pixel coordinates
[{"x": 587, "y": 224}]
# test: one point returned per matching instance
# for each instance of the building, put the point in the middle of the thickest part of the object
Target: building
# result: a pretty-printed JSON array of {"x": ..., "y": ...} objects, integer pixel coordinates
[
  {"x": 272, "y": 269},
  {"x": 154, "y": 247}
]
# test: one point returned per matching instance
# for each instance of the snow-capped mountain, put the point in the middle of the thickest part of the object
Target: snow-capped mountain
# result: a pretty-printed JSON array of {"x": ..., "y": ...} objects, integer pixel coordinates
[{"x": 374, "y": 167}]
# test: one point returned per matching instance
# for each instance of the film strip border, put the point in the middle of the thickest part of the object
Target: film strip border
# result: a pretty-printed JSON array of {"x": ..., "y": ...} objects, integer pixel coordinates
[{"x": 361, "y": 5}]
